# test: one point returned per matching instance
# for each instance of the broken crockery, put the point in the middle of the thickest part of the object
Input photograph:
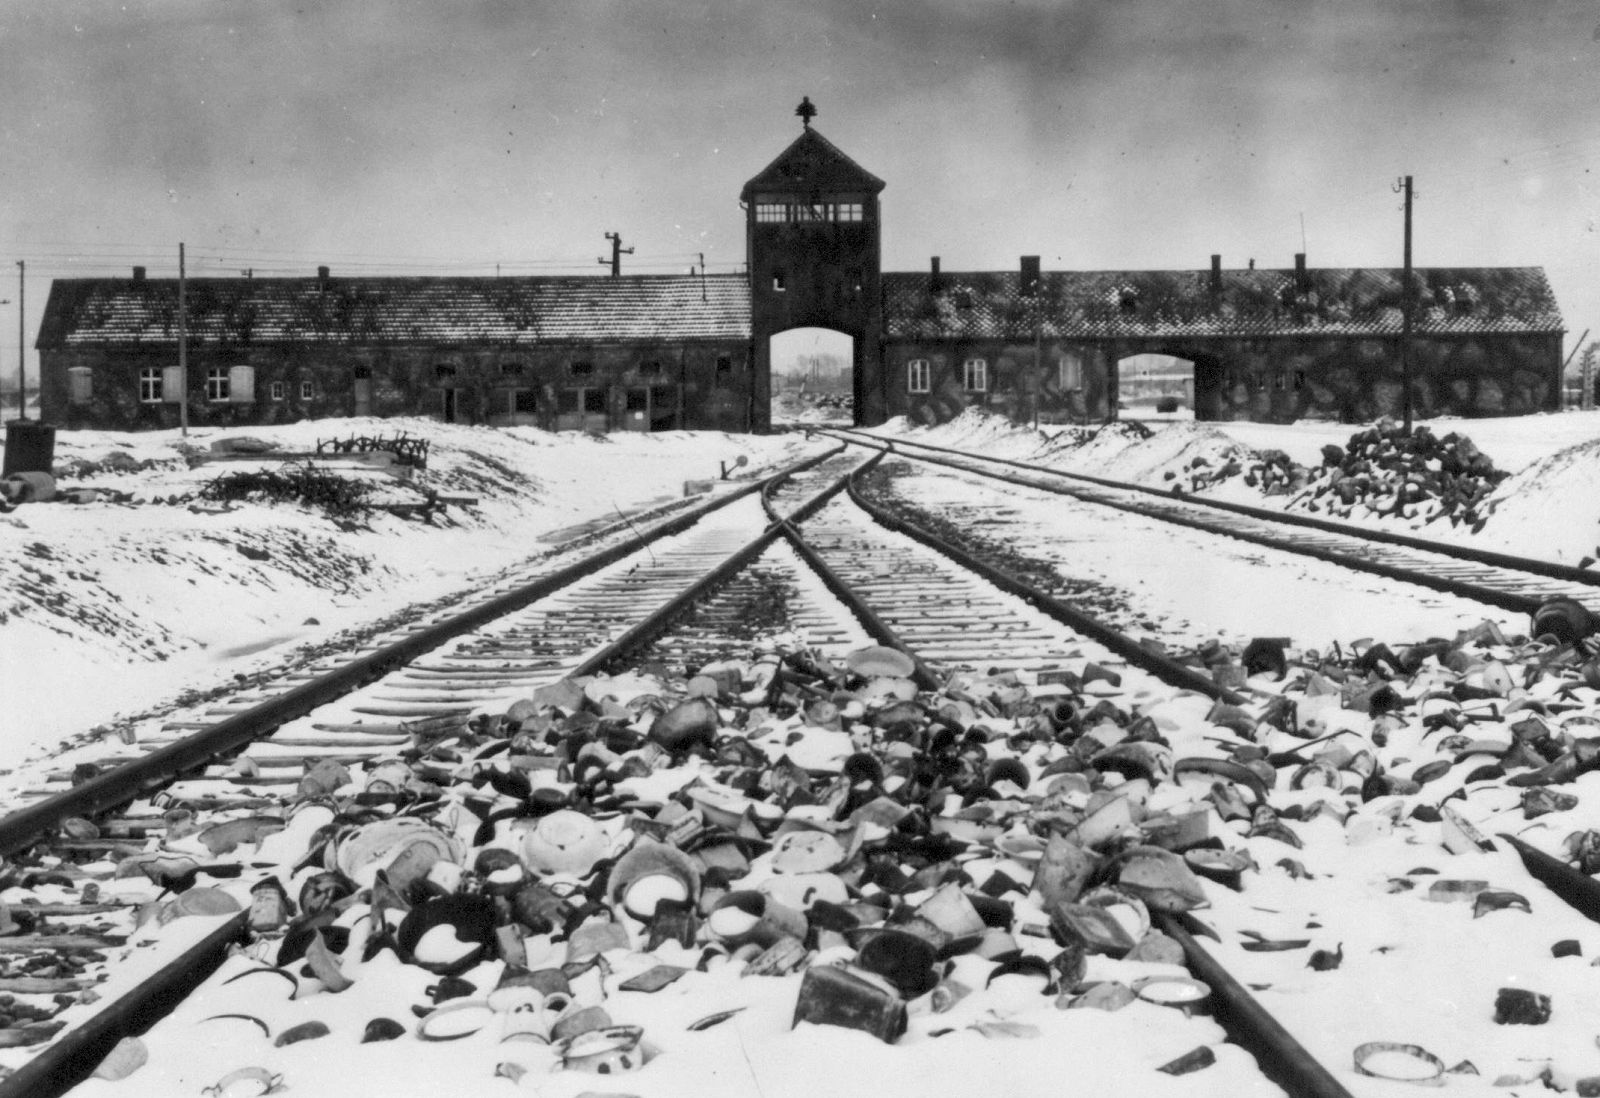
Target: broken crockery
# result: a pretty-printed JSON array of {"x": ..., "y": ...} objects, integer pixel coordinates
[
  {"x": 1404, "y": 1063},
  {"x": 834, "y": 995},
  {"x": 612, "y": 1050}
]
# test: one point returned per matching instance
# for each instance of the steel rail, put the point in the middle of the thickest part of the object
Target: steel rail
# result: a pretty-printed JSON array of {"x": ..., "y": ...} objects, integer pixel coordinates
[
  {"x": 111, "y": 789},
  {"x": 1580, "y": 891},
  {"x": 1532, "y": 565},
  {"x": 1251, "y": 1026},
  {"x": 71, "y": 1059},
  {"x": 875, "y": 626},
  {"x": 68, "y": 1061},
  {"x": 1162, "y": 667}
]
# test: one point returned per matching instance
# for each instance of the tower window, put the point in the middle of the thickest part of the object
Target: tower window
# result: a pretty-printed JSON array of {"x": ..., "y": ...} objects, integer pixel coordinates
[
  {"x": 796, "y": 210},
  {"x": 976, "y": 375},
  {"x": 918, "y": 376}
]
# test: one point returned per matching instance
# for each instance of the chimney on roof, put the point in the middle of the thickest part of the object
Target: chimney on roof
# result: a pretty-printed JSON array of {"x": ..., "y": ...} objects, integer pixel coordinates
[
  {"x": 1301, "y": 283},
  {"x": 138, "y": 274},
  {"x": 322, "y": 274},
  {"x": 1216, "y": 275},
  {"x": 1030, "y": 274},
  {"x": 935, "y": 281}
]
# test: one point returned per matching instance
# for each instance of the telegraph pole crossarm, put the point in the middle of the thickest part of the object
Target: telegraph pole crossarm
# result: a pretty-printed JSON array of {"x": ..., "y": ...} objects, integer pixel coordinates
[{"x": 617, "y": 252}]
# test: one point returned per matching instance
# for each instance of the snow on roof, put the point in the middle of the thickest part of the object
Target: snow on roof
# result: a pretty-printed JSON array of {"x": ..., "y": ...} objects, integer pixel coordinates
[
  {"x": 1328, "y": 301},
  {"x": 428, "y": 310}
]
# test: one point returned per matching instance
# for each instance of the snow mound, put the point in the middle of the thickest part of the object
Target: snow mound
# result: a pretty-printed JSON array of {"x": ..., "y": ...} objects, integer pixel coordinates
[{"x": 1566, "y": 483}]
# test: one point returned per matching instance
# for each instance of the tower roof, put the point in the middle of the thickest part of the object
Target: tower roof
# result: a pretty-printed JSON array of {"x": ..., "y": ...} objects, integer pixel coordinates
[{"x": 811, "y": 164}]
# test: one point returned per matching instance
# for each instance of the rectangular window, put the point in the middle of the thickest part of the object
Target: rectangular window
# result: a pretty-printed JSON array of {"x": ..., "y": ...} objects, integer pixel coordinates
[
  {"x": 217, "y": 383},
  {"x": 976, "y": 375},
  {"x": 276, "y": 389},
  {"x": 511, "y": 369},
  {"x": 1280, "y": 380},
  {"x": 594, "y": 401},
  {"x": 649, "y": 369},
  {"x": 524, "y": 401},
  {"x": 150, "y": 385},
  {"x": 777, "y": 282},
  {"x": 80, "y": 384},
  {"x": 581, "y": 369},
  {"x": 795, "y": 210},
  {"x": 305, "y": 390},
  {"x": 1299, "y": 379},
  {"x": 917, "y": 376},
  {"x": 444, "y": 371},
  {"x": 1071, "y": 372}
]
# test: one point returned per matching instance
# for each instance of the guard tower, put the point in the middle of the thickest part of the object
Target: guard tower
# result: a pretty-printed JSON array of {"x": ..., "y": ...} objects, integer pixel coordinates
[{"x": 813, "y": 248}]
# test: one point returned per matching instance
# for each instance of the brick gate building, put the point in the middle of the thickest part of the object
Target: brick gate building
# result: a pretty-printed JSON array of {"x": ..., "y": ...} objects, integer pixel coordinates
[{"x": 648, "y": 352}]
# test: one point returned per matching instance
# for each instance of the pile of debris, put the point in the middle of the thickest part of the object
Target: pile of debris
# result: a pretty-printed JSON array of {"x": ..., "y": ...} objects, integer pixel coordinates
[
  {"x": 1272, "y": 472},
  {"x": 986, "y": 857},
  {"x": 1383, "y": 471}
]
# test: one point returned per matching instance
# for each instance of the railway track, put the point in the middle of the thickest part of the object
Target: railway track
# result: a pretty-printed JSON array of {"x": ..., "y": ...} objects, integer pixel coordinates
[
  {"x": 810, "y": 558},
  {"x": 1517, "y": 584}
]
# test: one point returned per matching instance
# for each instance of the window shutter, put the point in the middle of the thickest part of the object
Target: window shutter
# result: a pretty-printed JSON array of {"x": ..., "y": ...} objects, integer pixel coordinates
[
  {"x": 241, "y": 385},
  {"x": 80, "y": 383},
  {"x": 171, "y": 385}
]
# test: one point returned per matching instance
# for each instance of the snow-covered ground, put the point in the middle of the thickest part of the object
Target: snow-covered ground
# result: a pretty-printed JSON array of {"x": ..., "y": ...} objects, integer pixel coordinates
[
  {"x": 127, "y": 580},
  {"x": 110, "y": 608},
  {"x": 1548, "y": 509}
]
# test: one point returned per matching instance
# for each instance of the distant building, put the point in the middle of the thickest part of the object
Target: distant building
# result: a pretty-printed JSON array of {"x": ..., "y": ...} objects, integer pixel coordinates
[{"x": 647, "y": 352}]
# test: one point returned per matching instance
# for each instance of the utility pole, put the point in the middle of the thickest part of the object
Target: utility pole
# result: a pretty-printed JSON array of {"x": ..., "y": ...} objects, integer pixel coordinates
[
  {"x": 1405, "y": 317},
  {"x": 1587, "y": 378},
  {"x": 22, "y": 365},
  {"x": 183, "y": 349},
  {"x": 617, "y": 252}
]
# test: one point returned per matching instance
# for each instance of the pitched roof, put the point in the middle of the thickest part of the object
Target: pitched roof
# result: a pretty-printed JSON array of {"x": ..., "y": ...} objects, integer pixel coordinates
[
  {"x": 86, "y": 311},
  {"x": 811, "y": 164},
  {"x": 1332, "y": 301}
]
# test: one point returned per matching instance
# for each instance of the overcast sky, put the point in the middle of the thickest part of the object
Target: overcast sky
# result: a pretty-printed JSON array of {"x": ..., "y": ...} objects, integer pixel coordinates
[{"x": 448, "y": 136}]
